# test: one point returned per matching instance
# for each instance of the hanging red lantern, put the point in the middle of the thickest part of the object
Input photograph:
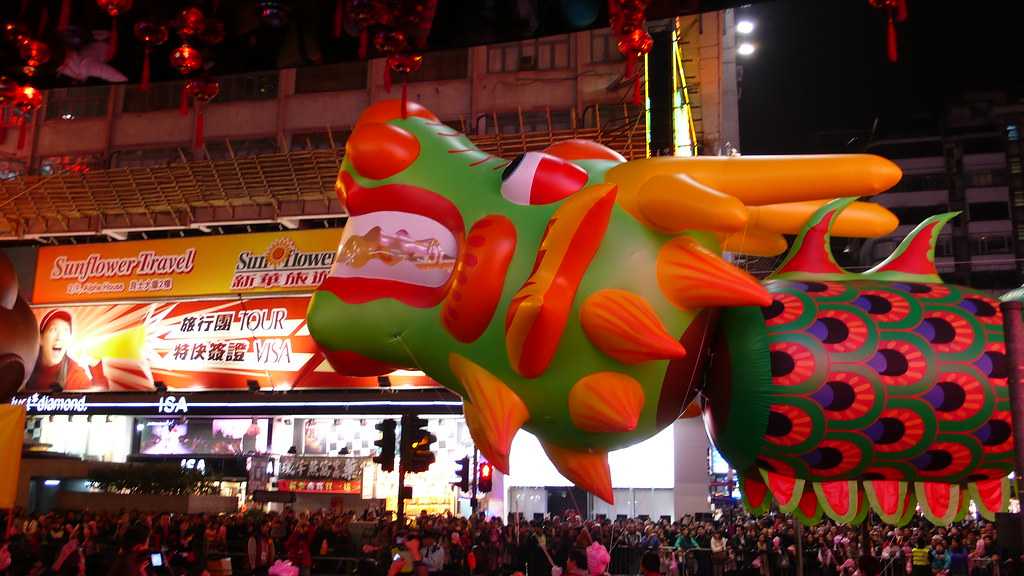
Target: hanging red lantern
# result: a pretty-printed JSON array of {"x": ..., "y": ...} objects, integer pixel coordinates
[
  {"x": 35, "y": 54},
  {"x": 191, "y": 22},
  {"x": 26, "y": 99},
  {"x": 627, "y": 21},
  {"x": 895, "y": 11},
  {"x": 186, "y": 59},
  {"x": 149, "y": 34},
  {"x": 114, "y": 8},
  {"x": 403, "y": 64},
  {"x": 201, "y": 90},
  {"x": 363, "y": 14}
]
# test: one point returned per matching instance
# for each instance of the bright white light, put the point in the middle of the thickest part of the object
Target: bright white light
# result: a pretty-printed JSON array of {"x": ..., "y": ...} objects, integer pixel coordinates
[
  {"x": 67, "y": 116},
  {"x": 746, "y": 49},
  {"x": 52, "y": 482},
  {"x": 744, "y": 27}
]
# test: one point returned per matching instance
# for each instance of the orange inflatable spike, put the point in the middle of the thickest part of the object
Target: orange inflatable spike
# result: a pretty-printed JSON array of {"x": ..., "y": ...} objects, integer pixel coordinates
[
  {"x": 585, "y": 469},
  {"x": 624, "y": 326},
  {"x": 606, "y": 402},
  {"x": 494, "y": 413},
  {"x": 858, "y": 220},
  {"x": 673, "y": 203},
  {"x": 691, "y": 276},
  {"x": 755, "y": 242}
]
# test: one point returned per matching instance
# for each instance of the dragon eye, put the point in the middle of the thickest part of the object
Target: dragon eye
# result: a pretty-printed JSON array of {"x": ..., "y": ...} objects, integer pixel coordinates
[{"x": 539, "y": 178}]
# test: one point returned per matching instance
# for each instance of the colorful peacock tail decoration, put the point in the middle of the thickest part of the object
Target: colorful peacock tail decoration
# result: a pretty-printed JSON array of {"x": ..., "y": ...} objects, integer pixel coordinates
[
  {"x": 579, "y": 296},
  {"x": 883, "y": 390}
]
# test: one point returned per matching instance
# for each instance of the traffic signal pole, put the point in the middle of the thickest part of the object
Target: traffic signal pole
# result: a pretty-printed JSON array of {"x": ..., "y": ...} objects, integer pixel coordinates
[
  {"x": 473, "y": 503},
  {"x": 401, "y": 491}
]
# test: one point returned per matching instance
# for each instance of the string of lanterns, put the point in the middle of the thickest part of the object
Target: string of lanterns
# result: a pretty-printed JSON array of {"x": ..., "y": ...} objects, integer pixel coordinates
[{"x": 628, "y": 25}]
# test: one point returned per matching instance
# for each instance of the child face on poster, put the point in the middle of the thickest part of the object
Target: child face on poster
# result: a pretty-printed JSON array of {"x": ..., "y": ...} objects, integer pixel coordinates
[{"x": 54, "y": 341}]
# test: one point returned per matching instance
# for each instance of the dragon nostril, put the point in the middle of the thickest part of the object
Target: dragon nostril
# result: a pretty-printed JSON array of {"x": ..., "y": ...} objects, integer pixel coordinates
[{"x": 380, "y": 151}]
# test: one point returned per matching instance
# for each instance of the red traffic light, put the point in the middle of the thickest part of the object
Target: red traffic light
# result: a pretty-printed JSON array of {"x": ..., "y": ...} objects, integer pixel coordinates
[{"x": 484, "y": 480}]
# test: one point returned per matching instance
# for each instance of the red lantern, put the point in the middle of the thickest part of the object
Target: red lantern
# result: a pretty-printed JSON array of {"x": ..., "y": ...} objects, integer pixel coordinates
[
  {"x": 201, "y": 90},
  {"x": 186, "y": 59},
  {"x": 35, "y": 54},
  {"x": 896, "y": 11},
  {"x": 363, "y": 14},
  {"x": 27, "y": 99},
  {"x": 114, "y": 7},
  {"x": 627, "y": 20},
  {"x": 389, "y": 42},
  {"x": 191, "y": 22},
  {"x": 149, "y": 34}
]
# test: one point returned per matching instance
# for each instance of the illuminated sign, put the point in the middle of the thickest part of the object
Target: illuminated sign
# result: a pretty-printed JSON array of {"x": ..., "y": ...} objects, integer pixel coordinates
[{"x": 290, "y": 261}]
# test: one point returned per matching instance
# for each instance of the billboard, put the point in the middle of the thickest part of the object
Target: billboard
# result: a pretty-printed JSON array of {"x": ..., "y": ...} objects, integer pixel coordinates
[
  {"x": 176, "y": 436},
  {"x": 271, "y": 262},
  {"x": 220, "y": 344}
]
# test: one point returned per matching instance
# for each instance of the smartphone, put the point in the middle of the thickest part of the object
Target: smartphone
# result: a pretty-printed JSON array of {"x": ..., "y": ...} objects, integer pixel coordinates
[{"x": 156, "y": 560}]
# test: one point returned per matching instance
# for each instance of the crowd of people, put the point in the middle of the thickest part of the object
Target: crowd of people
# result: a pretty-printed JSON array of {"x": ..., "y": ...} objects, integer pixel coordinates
[{"x": 336, "y": 542}]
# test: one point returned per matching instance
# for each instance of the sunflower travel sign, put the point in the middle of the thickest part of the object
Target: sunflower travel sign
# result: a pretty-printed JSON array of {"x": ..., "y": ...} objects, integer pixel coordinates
[{"x": 273, "y": 262}]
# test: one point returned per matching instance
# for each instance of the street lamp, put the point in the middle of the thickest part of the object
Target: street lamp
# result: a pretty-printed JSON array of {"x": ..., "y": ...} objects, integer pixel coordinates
[
  {"x": 744, "y": 27},
  {"x": 746, "y": 49}
]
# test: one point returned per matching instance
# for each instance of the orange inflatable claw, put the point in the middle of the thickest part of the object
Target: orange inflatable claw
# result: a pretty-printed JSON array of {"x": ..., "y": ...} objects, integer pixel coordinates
[
  {"x": 691, "y": 276},
  {"x": 494, "y": 413},
  {"x": 583, "y": 150},
  {"x": 755, "y": 242},
  {"x": 588, "y": 470},
  {"x": 624, "y": 326},
  {"x": 606, "y": 402}
]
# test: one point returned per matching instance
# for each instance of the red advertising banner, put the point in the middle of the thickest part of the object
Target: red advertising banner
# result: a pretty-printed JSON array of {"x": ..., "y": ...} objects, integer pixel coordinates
[
  {"x": 195, "y": 345},
  {"x": 321, "y": 486}
]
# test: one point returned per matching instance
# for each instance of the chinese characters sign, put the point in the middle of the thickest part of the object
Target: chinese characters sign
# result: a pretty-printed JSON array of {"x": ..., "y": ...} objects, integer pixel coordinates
[
  {"x": 321, "y": 468},
  {"x": 335, "y": 475},
  {"x": 196, "y": 345},
  {"x": 294, "y": 261}
]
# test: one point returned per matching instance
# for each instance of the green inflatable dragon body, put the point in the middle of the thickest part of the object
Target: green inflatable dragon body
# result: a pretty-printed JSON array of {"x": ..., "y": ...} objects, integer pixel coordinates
[{"x": 585, "y": 299}]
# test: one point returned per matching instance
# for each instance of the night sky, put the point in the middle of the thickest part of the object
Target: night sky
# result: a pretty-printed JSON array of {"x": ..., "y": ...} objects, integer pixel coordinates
[{"x": 821, "y": 69}]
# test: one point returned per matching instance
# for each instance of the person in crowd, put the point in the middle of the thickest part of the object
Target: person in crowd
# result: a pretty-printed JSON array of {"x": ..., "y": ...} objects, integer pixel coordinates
[{"x": 260, "y": 550}]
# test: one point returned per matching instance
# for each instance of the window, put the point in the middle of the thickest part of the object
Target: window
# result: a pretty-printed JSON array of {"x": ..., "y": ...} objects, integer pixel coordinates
[
  {"x": 331, "y": 78},
  {"x": 921, "y": 182},
  {"x": 915, "y": 214},
  {"x": 442, "y": 65},
  {"x": 982, "y": 244},
  {"x": 147, "y": 157},
  {"x": 319, "y": 140},
  {"x": 988, "y": 211},
  {"x": 1012, "y": 133},
  {"x": 612, "y": 115},
  {"x": 986, "y": 178},
  {"x": 247, "y": 87},
  {"x": 604, "y": 47},
  {"x": 550, "y": 53},
  {"x": 994, "y": 279},
  {"x": 77, "y": 102},
  {"x": 223, "y": 149},
  {"x": 53, "y": 165},
  {"x": 532, "y": 121},
  {"x": 160, "y": 96}
]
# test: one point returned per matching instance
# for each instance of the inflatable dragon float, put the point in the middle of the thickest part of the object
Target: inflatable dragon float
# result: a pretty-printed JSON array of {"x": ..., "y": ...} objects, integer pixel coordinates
[{"x": 587, "y": 300}]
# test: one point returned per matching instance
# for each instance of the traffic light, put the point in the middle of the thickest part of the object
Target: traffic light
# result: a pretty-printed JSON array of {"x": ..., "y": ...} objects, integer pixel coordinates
[
  {"x": 416, "y": 441},
  {"x": 386, "y": 458},
  {"x": 483, "y": 482},
  {"x": 462, "y": 474}
]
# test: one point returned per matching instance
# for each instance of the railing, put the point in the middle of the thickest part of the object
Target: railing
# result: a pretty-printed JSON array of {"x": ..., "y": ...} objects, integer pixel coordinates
[{"x": 257, "y": 188}]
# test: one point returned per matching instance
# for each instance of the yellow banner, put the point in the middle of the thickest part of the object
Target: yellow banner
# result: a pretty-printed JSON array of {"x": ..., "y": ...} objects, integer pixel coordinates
[
  {"x": 12, "y": 436},
  {"x": 269, "y": 262}
]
